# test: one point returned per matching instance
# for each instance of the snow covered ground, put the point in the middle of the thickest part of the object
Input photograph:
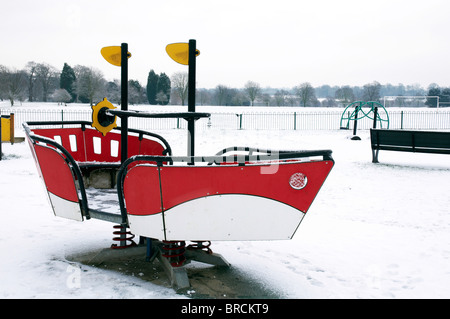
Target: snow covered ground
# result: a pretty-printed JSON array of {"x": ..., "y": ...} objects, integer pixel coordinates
[{"x": 374, "y": 231}]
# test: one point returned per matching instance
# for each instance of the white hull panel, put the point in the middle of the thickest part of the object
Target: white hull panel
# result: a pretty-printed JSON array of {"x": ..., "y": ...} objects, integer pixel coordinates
[
  {"x": 150, "y": 226},
  {"x": 221, "y": 217},
  {"x": 65, "y": 208}
]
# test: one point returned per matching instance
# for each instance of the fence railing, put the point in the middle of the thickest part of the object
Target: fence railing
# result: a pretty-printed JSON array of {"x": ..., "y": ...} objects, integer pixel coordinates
[{"x": 431, "y": 119}]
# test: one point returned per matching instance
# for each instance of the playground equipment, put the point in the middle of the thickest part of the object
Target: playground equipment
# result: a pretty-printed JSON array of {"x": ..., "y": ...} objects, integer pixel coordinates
[
  {"x": 7, "y": 131},
  {"x": 240, "y": 193},
  {"x": 361, "y": 110}
]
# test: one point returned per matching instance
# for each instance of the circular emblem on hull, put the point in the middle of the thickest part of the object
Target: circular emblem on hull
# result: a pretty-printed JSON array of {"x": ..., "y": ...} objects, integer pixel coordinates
[{"x": 298, "y": 181}]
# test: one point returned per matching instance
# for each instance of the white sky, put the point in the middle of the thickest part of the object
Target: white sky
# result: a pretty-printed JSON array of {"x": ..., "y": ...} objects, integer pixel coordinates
[{"x": 278, "y": 43}]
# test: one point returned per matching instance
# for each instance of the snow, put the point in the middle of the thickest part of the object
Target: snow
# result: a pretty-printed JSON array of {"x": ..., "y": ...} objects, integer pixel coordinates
[{"x": 374, "y": 230}]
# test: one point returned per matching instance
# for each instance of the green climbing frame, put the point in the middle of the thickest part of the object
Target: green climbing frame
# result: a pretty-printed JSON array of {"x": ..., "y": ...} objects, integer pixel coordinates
[{"x": 363, "y": 109}]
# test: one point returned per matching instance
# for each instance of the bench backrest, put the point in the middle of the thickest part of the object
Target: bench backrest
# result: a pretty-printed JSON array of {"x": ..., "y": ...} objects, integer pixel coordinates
[{"x": 405, "y": 138}]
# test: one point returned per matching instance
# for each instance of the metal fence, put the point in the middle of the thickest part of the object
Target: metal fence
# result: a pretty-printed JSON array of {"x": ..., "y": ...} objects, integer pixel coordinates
[{"x": 431, "y": 119}]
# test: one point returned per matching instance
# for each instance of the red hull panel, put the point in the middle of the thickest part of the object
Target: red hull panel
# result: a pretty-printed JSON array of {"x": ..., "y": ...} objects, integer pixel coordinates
[
  {"x": 179, "y": 184},
  {"x": 56, "y": 173}
]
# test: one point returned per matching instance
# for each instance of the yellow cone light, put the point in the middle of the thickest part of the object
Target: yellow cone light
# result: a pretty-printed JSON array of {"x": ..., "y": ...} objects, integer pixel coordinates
[
  {"x": 179, "y": 52},
  {"x": 113, "y": 55}
]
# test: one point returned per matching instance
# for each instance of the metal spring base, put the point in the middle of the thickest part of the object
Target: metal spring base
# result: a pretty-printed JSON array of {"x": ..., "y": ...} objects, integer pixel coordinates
[
  {"x": 174, "y": 255},
  {"x": 174, "y": 252},
  {"x": 201, "y": 245},
  {"x": 125, "y": 238}
]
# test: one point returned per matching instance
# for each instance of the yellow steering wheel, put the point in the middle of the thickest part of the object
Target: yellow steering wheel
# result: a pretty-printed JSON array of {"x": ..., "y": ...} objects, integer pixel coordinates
[{"x": 100, "y": 120}]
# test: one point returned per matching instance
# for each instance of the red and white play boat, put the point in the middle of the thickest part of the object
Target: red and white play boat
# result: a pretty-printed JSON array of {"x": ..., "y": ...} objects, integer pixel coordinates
[{"x": 240, "y": 193}]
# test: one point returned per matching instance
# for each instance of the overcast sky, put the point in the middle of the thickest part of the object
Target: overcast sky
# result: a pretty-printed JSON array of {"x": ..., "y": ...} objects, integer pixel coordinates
[{"x": 278, "y": 43}]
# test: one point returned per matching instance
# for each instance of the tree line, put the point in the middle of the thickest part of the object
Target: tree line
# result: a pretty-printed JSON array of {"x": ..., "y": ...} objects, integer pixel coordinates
[
  {"x": 306, "y": 95},
  {"x": 41, "y": 82}
]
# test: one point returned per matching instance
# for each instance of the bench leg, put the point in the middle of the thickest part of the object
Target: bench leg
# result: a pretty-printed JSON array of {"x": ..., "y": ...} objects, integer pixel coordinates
[{"x": 375, "y": 156}]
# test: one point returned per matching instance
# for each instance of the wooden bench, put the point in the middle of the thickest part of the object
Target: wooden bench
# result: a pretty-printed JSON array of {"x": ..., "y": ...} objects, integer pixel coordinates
[{"x": 409, "y": 141}]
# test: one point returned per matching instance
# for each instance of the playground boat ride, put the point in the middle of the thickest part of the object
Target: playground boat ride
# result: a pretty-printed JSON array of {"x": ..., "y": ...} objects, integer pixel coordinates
[{"x": 239, "y": 193}]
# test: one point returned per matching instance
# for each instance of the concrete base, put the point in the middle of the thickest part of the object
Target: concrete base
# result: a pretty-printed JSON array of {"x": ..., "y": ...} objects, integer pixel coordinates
[
  {"x": 203, "y": 276},
  {"x": 178, "y": 275}
]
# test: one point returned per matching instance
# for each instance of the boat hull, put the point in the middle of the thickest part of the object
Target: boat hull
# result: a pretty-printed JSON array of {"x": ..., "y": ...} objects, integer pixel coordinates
[{"x": 227, "y": 202}]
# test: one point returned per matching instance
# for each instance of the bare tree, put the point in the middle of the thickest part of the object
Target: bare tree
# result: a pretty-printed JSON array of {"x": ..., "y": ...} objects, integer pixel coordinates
[
  {"x": 13, "y": 84},
  {"x": 237, "y": 97},
  {"x": 266, "y": 99},
  {"x": 46, "y": 75},
  {"x": 203, "y": 96},
  {"x": 345, "y": 95},
  {"x": 372, "y": 91},
  {"x": 305, "y": 92},
  {"x": 180, "y": 85},
  {"x": 281, "y": 97},
  {"x": 221, "y": 93},
  {"x": 253, "y": 90},
  {"x": 113, "y": 91},
  {"x": 31, "y": 69},
  {"x": 290, "y": 100},
  {"x": 3, "y": 84},
  {"x": 90, "y": 84}
]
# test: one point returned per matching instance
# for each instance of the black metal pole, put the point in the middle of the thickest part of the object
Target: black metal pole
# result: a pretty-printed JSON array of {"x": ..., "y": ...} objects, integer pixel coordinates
[
  {"x": 375, "y": 115},
  {"x": 191, "y": 97},
  {"x": 124, "y": 102},
  {"x": 355, "y": 124}
]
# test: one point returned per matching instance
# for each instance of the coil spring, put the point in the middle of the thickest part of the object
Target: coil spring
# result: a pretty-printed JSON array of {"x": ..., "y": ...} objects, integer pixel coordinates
[
  {"x": 200, "y": 245},
  {"x": 174, "y": 252},
  {"x": 123, "y": 238}
]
